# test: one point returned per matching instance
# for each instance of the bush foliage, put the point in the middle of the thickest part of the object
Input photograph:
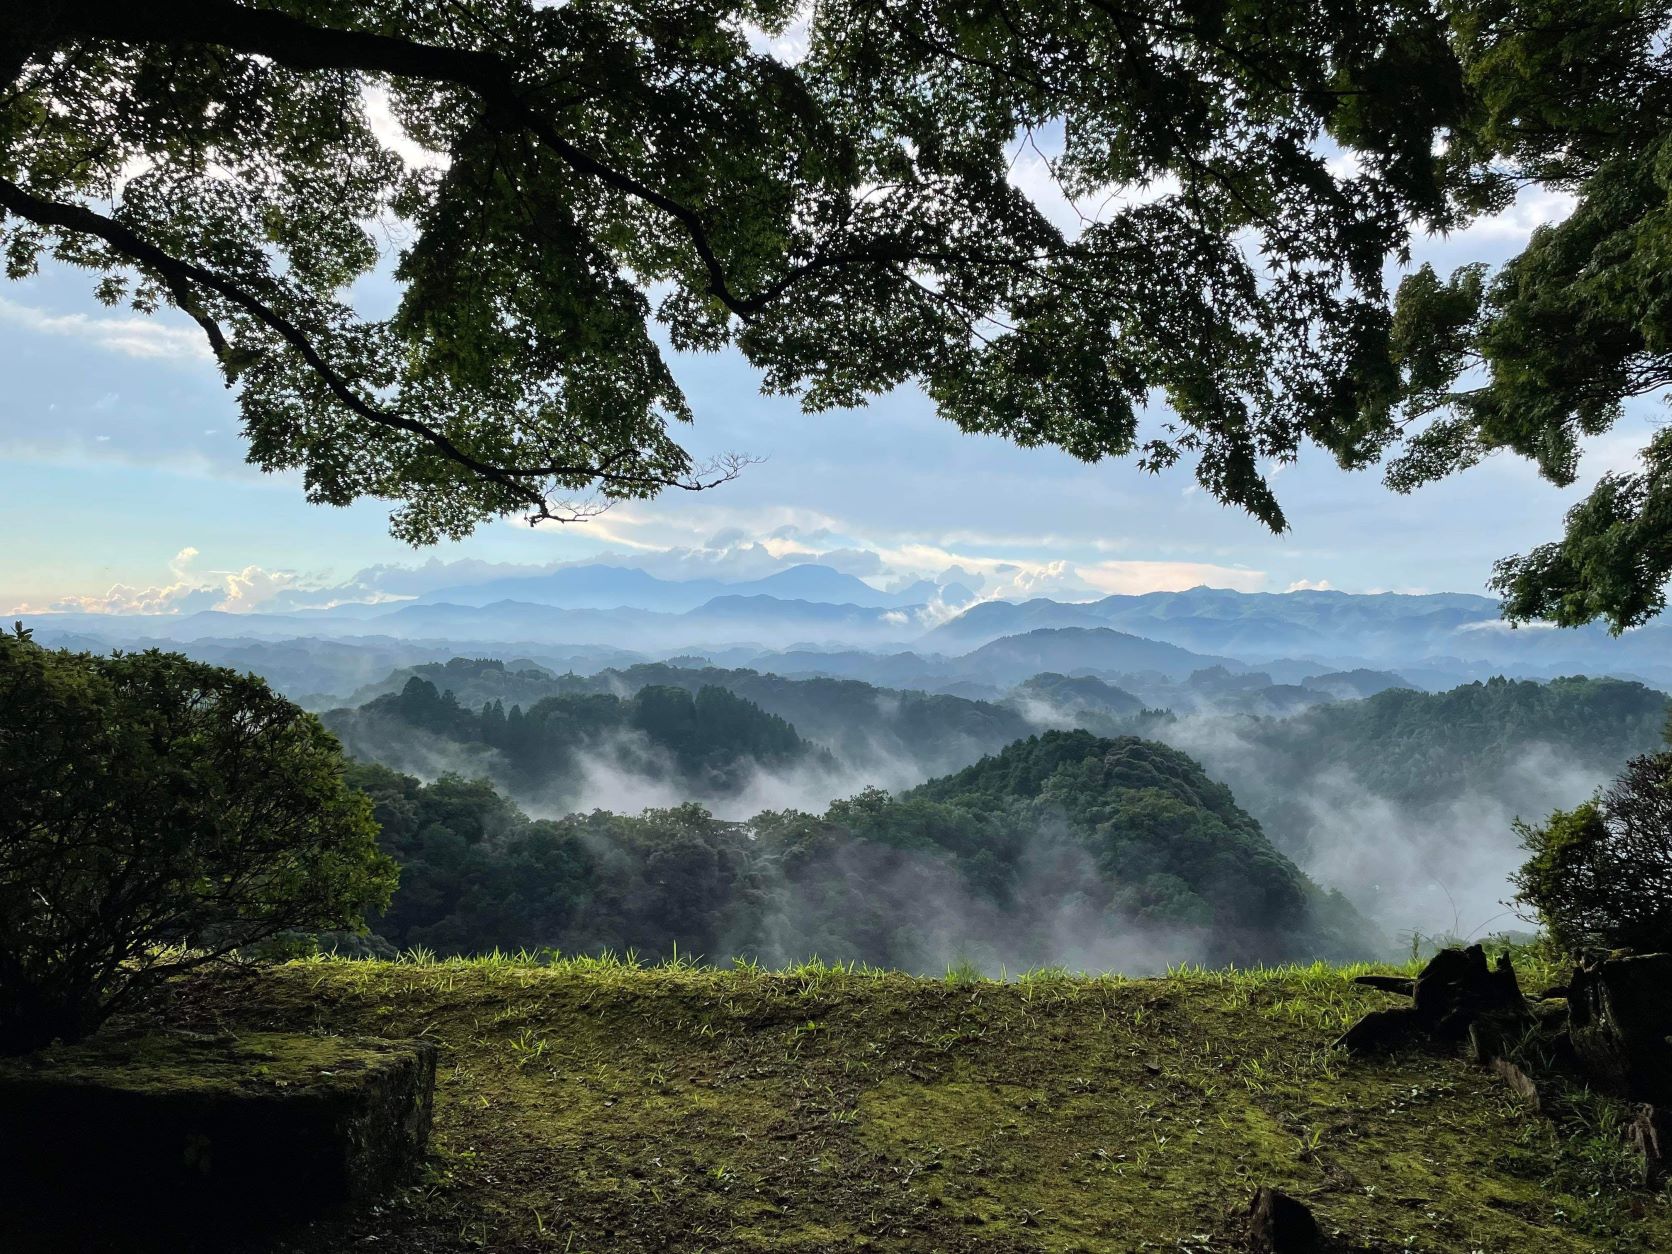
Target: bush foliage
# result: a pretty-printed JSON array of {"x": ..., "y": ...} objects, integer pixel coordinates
[
  {"x": 1600, "y": 875},
  {"x": 159, "y": 814}
]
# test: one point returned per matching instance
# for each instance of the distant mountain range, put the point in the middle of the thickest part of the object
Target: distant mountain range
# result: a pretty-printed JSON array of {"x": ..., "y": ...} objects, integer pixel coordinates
[
  {"x": 599, "y": 587},
  {"x": 811, "y": 619}
]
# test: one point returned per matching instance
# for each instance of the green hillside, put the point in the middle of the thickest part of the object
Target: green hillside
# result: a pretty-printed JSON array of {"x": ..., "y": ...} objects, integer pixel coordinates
[
  {"x": 1503, "y": 742},
  {"x": 589, "y": 1107},
  {"x": 707, "y": 740},
  {"x": 1064, "y": 848},
  {"x": 859, "y": 722}
]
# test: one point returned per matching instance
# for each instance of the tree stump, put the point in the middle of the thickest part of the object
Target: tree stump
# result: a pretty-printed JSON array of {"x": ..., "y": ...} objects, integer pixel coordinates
[
  {"x": 1452, "y": 994},
  {"x": 1619, "y": 1021}
]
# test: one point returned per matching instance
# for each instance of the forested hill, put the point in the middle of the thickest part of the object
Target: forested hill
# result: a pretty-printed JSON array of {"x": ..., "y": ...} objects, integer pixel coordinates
[
  {"x": 1173, "y": 838},
  {"x": 702, "y": 744},
  {"x": 1063, "y": 849},
  {"x": 1406, "y": 801},
  {"x": 907, "y": 735},
  {"x": 1424, "y": 751}
]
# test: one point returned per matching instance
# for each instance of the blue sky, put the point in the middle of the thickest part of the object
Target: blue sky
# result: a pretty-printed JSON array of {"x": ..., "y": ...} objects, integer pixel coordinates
[{"x": 123, "y": 486}]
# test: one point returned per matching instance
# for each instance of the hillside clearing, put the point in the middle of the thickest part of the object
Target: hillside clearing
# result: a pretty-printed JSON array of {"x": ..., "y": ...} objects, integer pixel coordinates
[{"x": 588, "y": 1105}]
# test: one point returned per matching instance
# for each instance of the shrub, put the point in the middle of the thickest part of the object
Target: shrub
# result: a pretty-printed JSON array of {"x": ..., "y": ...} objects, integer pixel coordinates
[
  {"x": 1600, "y": 875},
  {"x": 159, "y": 814}
]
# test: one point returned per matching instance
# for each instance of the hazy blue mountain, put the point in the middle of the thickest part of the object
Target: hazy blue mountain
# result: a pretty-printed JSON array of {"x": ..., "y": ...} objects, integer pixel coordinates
[
  {"x": 1432, "y": 640},
  {"x": 1356, "y": 684},
  {"x": 319, "y": 673},
  {"x": 811, "y": 582},
  {"x": 891, "y": 670},
  {"x": 1291, "y": 622},
  {"x": 989, "y": 620},
  {"x": 603, "y": 587},
  {"x": 1386, "y": 628},
  {"x": 1069, "y": 649},
  {"x": 1428, "y": 642},
  {"x": 1067, "y": 696},
  {"x": 760, "y": 620},
  {"x": 590, "y": 587}
]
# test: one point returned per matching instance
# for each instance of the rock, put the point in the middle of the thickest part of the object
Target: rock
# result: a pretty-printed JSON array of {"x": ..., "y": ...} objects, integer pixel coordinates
[
  {"x": 1402, "y": 985},
  {"x": 1520, "y": 1083},
  {"x": 1619, "y": 1021},
  {"x": 1381, "y": 1030},
  {"x": 172, "y": 1131},
  {"x": 1278, "y": 1224},
  {"x": 1650, "y": 1135}
]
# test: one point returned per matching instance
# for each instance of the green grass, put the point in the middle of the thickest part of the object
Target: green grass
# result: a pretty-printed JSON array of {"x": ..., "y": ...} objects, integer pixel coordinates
[{"x": 589, "y": 1105}]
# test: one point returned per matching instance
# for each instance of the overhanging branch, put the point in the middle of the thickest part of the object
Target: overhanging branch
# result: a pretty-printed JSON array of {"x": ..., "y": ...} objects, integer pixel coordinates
[{"x": 181, "y": 276}]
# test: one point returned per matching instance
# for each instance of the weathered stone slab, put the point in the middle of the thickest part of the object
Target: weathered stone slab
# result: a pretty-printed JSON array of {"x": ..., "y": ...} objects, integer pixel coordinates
[
  {"x": 1520, "y": 1082},
  {"x": 170, "y": 1131}
]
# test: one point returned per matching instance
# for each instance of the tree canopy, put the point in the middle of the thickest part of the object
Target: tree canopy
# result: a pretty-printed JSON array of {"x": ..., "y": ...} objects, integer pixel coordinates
[{"x": 615, "y": 177}]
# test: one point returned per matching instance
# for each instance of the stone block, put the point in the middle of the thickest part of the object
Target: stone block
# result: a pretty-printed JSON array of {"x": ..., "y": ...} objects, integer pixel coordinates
[{"x": 168, "y": 1132}]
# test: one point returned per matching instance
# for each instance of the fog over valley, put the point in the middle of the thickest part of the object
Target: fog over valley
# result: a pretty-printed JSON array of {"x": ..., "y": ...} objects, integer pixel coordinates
[{"x": 1382, "y": 747}]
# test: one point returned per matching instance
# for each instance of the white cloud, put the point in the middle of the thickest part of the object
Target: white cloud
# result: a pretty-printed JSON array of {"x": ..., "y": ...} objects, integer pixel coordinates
[
  {"x": 186, "y": 592},
  {"x": 133, "y": 335},
  {"x": 1134, "y": 577},
  {"x": 190, "y": 591},
  {"x": 1532, "y": 209},
  {"x": 1310, "y": 585}
]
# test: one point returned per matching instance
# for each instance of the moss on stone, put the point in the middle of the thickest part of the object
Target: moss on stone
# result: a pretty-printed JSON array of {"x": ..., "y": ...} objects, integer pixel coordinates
[{"x": 185, "y": 1135}]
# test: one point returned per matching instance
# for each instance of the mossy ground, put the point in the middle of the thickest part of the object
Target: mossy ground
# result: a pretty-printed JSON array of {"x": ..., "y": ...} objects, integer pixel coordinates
[{"x": 592, "y": 1106}]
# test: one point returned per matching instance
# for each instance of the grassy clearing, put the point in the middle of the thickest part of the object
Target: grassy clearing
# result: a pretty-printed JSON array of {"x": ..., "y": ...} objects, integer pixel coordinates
[{"x": 592, "y": 1105}]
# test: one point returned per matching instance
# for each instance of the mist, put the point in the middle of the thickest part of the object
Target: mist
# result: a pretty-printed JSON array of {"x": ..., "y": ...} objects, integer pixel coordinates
[
  {"x": 1440, "y": 868},
  {"x": 1418, "y": 834},
  {"x": 936, "y": 922}
]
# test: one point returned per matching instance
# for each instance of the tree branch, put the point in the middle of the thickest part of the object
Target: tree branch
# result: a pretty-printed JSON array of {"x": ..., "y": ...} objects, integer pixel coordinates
[
  {"x": 180, "y": 276},
  {"x": 301, "y": 45}
]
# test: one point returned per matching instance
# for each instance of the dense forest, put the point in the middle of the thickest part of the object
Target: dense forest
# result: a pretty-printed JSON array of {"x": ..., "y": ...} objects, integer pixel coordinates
[
  {"x": 1405, "y": 801},
  {"x": 1062, "y": 848},
  {"x": 1425, "y": 751},
  {"x": 705, "y": 742},
  {"x": 861, "y": 723}
]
